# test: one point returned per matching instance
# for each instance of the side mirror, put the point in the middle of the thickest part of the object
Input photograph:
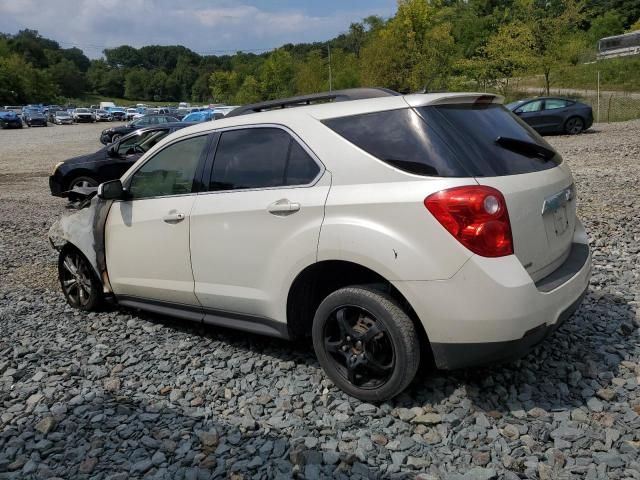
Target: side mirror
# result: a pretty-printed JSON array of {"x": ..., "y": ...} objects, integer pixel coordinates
[
  {"x": 111, "y": 190},
  {"x": 112, "y": 151}
]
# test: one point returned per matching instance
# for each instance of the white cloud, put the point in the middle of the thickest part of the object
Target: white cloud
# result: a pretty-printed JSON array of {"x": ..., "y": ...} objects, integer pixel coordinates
[{"x": 203, "y": 26}]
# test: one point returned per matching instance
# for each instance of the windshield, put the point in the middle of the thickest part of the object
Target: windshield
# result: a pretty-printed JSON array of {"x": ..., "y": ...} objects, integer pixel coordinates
[
  {"x": 82, "y": 110},
  {"x": 141, "y": 141},
  {"x": 61, "y": 114}
]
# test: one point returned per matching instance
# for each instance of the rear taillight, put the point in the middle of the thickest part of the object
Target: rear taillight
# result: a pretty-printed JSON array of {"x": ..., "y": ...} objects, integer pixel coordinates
[{"x": 476, "y": 216}]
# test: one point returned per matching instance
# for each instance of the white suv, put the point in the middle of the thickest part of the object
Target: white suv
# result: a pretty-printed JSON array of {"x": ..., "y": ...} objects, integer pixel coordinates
[{"x": 387, "y": 228}]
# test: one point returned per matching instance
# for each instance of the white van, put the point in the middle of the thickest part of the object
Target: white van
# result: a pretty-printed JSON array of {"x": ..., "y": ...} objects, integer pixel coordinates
[{"x": 107, "y": 105}]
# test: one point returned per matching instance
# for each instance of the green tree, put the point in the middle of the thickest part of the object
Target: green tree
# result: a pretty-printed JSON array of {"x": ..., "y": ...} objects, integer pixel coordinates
[
  {"x": 508, "y": 53},
  {"x": 552, "y": 26},
  {"x": 136, "y": 84},
  {"x": 223, "y": 86},
  {"x": 277, "y": 75},
  {"x": 413, "y": 51},
  {"x": 249, "y": 91},
  {"x": 68, "y": 78},
  {"x": 312, "y": 75},
  {"x": 610, "y": 23}
]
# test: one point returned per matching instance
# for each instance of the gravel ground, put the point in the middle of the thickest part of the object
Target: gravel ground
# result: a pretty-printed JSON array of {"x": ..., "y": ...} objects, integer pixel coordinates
[{"x": 118, "y": 395}]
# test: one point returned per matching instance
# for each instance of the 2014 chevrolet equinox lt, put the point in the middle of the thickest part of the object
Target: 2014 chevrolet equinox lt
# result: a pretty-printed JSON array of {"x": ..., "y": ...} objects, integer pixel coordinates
[{"x": 375, "y": 223}]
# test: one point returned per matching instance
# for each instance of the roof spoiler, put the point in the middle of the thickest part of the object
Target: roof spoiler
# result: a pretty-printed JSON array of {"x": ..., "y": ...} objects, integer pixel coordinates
[
  {"x": 453, "y": 98},
  {"x": 333, "y": 96}
]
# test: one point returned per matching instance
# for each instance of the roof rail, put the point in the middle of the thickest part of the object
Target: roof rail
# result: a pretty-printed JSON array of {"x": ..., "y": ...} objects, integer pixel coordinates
[{"x": 335, "y": 96}]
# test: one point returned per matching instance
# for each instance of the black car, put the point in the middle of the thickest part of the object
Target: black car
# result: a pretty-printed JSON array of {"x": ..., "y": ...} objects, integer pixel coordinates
[
  {"x": 554, "y": 115},
  {"x": 115, "y": 133},
  {"x": 109, "y": 162},
  {"x": 9, "y": 119},
  {"x": 33, "y": 118}
]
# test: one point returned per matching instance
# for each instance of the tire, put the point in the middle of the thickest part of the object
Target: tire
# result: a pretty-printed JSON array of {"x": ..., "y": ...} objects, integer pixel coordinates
[
  {"x": 574, "y": 126},
  {"x": 82, "y": 181},
  {"x": 366, "y": 343},
  {"x": 79, "y": 283},
  {"x": 115, "y": 138}
]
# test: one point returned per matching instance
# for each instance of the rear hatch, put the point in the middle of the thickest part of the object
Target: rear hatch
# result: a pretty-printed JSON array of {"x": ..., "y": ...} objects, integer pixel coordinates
[{"x": 501, "y": 151}]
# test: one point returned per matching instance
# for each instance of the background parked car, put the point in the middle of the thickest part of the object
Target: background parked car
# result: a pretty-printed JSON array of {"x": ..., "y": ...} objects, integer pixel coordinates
[
  {"x": 103, "y": 116},
  {"x": 62, "y": 117},
  {"x": 83, "y": 115},
  {"x": 117, "y": 113},
  {"x": 203, "y": 116},
  {"x": 9, "y": 119},
  {"x": 554, "y": 115},
  {"x": 33, "y": 117},
  {"x": 109, "y": 162},
  {"x": 115, "y": 133}
]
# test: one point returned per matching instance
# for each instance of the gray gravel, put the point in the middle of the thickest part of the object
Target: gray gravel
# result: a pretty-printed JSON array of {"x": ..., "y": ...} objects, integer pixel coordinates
[{"x": 118, "y": 395}]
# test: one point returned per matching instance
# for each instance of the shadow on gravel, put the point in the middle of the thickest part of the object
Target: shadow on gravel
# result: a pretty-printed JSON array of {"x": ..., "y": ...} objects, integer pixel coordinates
[
  {"x": 563, "y": 372},
  {"x": 99, "y": 435}
]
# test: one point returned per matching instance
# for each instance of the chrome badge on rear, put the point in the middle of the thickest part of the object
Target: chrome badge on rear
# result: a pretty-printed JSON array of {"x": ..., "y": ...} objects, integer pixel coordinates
[{"x": 557, "y": 200}]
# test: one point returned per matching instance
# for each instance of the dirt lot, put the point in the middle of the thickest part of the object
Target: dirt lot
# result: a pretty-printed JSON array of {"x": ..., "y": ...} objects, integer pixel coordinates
[{"x": 118, "y": 395}]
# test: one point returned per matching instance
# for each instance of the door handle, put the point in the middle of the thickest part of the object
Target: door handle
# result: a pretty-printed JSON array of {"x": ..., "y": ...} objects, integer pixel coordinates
[
  {"x": 173, "y": 217},
  {"x": 283, "y": 207}
]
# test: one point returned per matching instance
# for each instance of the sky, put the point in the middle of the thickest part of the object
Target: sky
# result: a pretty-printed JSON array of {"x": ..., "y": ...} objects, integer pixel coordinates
[{"x": 210, "y": 27}]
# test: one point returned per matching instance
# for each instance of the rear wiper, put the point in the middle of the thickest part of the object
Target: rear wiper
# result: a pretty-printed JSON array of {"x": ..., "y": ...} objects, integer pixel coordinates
[{"x": 529, "y": 149}]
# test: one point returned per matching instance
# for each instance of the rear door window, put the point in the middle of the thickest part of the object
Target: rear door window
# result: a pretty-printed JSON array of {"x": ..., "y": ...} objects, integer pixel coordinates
[
  {"x": 531, "y": 107},
  {"x": 554, "y": 103},
  {"x": 260, "y": 158}
]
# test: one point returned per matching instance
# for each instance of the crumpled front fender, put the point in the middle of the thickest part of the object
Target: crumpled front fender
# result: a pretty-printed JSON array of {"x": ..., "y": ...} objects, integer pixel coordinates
[{"x": 85, "y": 231}]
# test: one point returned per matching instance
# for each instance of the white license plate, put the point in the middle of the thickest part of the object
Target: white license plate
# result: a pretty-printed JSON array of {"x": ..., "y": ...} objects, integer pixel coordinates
[{"x": 560, "y": 221}]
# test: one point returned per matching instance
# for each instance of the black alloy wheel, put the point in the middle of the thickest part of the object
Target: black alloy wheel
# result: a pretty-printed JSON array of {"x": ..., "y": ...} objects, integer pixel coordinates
[
  {"x": 366, "y": 343},
  {"x": 79, "y": 284},
  {"x": 574, "y": 126}
]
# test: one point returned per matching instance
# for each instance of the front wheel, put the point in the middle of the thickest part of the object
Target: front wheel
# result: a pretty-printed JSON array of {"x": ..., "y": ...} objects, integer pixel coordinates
[
  {"x": 79, "y": 284},
  {"x": 574, "y": 126},
  {"x": 115, "y": 138},
  {"x": 366, "y": 343},
  {"x": 83, "y": 182}
]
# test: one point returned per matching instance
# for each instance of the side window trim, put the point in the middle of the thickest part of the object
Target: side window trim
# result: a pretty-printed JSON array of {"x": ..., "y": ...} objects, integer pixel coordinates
[
  {"x": 294, "y": 137},
  {"x": 197, "y": 177}
]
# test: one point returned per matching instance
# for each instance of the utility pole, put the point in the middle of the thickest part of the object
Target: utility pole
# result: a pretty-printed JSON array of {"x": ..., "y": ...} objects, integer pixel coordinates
[
  {"x": 598, "y": 110},
  {"x": 330, "y": 78}
]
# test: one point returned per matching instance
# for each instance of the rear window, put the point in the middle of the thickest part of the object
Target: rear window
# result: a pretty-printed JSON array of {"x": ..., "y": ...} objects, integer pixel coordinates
[
  {"x": 445, "y": 140},
  {"x": 472, "y": 130}
]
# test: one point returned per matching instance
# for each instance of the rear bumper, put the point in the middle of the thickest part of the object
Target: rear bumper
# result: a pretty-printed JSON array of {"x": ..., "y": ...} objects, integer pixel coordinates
[{"x": 492, "y": 310}]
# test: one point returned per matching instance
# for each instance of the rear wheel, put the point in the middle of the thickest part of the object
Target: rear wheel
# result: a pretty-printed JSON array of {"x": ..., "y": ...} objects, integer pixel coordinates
[
  {"x": 79, "y": 284},
  {"x": 574, "y": 126},
  {"x": 83, "y": 182},
  {"x": 366, "y": 343}
]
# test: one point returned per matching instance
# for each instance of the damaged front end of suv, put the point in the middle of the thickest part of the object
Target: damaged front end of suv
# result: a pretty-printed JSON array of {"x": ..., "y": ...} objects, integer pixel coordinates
[{"x": 79, "y": 239}]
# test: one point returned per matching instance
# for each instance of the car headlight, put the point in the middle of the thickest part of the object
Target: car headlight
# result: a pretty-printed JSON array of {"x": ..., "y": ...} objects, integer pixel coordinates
[{"x": 56, "y": 167}]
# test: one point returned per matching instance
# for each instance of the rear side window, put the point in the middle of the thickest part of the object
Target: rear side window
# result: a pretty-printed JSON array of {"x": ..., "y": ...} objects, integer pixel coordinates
[
  {"x": 260, "y": 158},
  {"x": 553, "y": 103},
  {"x": 472, "y": 130},
  {"x": 400, "y": 138}
]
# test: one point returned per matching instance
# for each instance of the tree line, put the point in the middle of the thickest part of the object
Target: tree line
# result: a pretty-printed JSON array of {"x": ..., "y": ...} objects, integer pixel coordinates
[{"x": 426, "y": 46}]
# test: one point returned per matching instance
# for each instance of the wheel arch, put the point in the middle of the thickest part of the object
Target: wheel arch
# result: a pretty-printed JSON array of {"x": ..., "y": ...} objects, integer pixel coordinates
[
  {"x": 319, "y": 279},
  {"x": 75, "y": 173}
]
